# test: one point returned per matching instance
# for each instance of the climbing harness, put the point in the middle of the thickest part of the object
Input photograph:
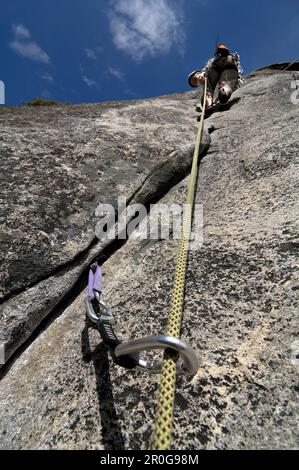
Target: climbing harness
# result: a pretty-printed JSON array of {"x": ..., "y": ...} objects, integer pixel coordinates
[{"x": 179, "y": 358}]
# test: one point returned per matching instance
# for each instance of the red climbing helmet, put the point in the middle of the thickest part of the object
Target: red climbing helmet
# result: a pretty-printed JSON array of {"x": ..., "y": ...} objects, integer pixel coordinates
[{"x": 222, "y": 48}]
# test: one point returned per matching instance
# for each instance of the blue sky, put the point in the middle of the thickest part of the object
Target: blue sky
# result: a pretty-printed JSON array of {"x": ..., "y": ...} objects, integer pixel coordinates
[{"x": 97, "y": 50}]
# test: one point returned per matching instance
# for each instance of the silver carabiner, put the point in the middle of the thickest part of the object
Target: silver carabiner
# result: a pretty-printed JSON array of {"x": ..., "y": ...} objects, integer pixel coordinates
[
  {"x": 105, "y": 314},
  {"x": 188, "y": 365}
]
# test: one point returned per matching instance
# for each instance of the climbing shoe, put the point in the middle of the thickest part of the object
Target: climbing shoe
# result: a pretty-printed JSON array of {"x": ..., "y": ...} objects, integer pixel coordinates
[
  {"x": 225, "y": 92},
  {"x": 209, "y": 104}
]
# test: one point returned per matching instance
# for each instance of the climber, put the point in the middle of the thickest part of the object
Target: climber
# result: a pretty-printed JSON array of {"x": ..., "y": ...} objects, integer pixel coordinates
[{"x": 224, "y": 70}]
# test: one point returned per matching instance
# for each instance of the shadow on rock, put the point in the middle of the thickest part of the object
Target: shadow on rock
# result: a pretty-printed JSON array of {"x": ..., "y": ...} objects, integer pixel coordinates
[
  {"x": 111, "y": 429},
  {"x": 219, "y": 108},
  {"x": 227, "y": 106}
]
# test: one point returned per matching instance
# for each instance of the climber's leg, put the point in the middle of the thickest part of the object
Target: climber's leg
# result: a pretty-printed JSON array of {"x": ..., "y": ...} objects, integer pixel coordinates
[
  {"x": 213, "y": 77},
  {"x": 227, "y": 84}
]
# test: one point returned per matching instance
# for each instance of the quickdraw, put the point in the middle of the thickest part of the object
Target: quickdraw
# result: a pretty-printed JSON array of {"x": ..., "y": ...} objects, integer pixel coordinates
[{"x": 126, "y": 354}]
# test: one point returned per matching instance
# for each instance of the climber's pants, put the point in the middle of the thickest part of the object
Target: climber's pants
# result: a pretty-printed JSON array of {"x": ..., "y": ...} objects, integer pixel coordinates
[{"x": 225, "y": 77}]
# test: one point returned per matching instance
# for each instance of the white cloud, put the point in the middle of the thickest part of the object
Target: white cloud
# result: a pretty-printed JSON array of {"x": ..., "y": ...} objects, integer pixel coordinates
[
  {"x": 116, "y": 73},
  {"x": 30, "y": 51},
  {"x": 21, "y": 32},
  {"x": 145, "y": 27},
  {"x": 90, "y": 53},
  {"x": 47, "y": 77},
  {"x": 93, "y": 53},
  {"x": 89, "y": 82},
  {"x": 25, "y": 47}
]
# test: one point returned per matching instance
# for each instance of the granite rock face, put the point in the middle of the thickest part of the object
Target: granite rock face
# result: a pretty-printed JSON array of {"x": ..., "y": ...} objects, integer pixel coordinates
[
  {"x": 58, "y": 166},
  {"x": 62, "y": 390}
]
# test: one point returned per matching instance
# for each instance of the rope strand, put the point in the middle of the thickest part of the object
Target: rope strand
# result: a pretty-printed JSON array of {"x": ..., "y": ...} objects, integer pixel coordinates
[{"x": 164, "y": 415}]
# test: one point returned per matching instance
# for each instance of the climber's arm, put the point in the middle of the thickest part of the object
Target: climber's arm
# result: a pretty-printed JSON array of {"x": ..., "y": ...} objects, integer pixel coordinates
[
  {"x": 196, "y": 78},
  {"x": 208, "y": 67}
]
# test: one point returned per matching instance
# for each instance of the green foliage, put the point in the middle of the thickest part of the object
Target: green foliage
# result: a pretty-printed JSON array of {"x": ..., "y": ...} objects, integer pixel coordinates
[{"x": 42, "y": 102}]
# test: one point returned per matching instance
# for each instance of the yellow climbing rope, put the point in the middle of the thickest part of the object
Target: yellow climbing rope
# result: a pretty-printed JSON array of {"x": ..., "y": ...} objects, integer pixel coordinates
[{"x": 164, "y": 415}]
